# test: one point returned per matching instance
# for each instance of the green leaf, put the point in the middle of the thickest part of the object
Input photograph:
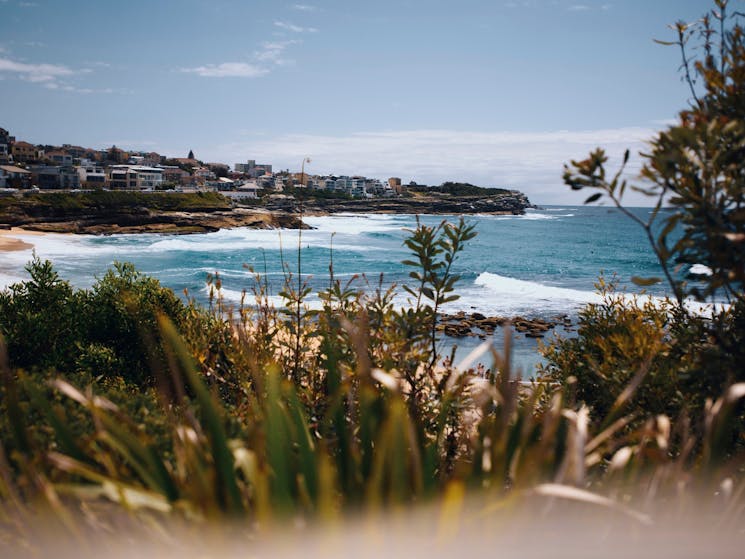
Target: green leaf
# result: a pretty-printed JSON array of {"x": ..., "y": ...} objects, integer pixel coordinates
[{"x": 593, "y": 198}]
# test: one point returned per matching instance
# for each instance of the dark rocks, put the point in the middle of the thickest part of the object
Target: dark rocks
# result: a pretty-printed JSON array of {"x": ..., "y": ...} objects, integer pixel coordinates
[
  {"x": 512, "y": 203},
  {"x": 460, "y": 325}
]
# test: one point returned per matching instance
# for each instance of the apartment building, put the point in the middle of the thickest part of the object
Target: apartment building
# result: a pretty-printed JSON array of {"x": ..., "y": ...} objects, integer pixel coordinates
[
  {"x": 91, "y": 175},
  {"x": 54, "y": 177},
  {"x": 252, "y": 170},
  {"x": 23, "y": 152},
  {"x": 135, "y": 177}
]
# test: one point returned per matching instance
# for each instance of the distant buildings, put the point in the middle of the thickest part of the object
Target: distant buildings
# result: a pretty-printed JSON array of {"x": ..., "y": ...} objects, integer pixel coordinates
[
  {"x": 251, "y": 170},
  {"x": 25, "y": 165}
]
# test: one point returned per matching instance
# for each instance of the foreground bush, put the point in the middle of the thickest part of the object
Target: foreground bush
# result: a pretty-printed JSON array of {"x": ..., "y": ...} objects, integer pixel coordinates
[{"x": 694, "y": 169}]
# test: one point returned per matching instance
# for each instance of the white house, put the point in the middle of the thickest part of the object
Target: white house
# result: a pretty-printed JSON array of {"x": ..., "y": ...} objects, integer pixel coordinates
[{"x": 137, "y": 177}]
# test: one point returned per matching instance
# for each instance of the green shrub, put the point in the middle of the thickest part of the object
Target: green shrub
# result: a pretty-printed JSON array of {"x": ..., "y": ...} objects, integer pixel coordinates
[{"x": 696, "y": 167}]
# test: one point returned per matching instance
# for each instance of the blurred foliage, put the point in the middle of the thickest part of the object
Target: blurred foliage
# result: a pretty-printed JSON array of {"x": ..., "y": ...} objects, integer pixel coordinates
[{"x": 695, "y": 177}]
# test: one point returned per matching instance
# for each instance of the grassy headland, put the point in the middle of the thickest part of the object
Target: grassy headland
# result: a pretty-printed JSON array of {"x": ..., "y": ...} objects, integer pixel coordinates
[{"x": 133, "y": 212}]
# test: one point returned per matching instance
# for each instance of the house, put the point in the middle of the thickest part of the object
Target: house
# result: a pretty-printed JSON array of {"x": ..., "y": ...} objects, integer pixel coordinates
[
  {"x": 55, "y": 177},
  {"x": 59, "y": 158},
  {"x": 246, "y": 190},
  {"x": 203, "y": 174},
  {"x": 14, "y": 177},
  {"x": 175, "y": 175},
  {"x": 135, "y": 177},
  {"x": 396, "y": 186},
  {"x": 225, "y": 184},
  {"x": 23, "y": 152},
  {"x": 76, "y": 152},
  {"x": 91, "y": 175},
  {"x": 6, "y": 144}
]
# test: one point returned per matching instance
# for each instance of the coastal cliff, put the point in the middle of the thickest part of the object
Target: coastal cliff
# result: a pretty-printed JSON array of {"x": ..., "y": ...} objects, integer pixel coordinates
[
  {"x": 133, "y": 212},
  {"x": 107, "y": 212}
]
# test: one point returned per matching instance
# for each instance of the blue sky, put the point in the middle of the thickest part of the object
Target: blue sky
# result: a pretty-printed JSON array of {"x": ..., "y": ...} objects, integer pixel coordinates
[{"x": 498, "y": 93}]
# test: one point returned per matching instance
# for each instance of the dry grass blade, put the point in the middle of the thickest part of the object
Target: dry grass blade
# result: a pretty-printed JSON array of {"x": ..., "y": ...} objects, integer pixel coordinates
[{"x": 568, "y": 492}]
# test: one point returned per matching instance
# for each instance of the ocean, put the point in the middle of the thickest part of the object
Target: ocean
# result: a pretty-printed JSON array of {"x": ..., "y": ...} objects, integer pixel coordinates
[{"x": 541, "y": 264}]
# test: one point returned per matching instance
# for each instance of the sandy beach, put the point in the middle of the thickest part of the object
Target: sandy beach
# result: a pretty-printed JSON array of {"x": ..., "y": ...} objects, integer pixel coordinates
[{"x": 8, "y": 243}]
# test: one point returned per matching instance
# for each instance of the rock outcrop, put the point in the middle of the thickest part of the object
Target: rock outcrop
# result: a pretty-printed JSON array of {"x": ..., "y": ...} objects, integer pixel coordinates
[
  {"x": 513, "y": 203},
  {"x": 461, "y": 325},
  {"x": 150, "y": 213}
]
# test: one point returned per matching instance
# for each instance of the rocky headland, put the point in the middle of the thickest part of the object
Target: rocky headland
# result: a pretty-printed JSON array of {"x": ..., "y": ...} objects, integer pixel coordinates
[
  {"x": 437, "y": 204},
  {"x": 129, "y": 212},
  {"x": 108, "y": 212}
]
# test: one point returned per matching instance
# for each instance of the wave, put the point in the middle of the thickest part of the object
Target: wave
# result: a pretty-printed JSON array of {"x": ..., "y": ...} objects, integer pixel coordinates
[
  {"x": 233, "y": 296},
  {"x": 523, "y": 294},
  {"x": 357, "y": 224},
  {"x": 700, "y": 270},
  {"x": 527, "y": 296},
  {"x": 529, "y": 216}
]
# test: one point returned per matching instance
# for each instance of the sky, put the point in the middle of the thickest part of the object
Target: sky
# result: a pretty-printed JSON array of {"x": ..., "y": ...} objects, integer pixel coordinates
[{"x": 492, "y": 92}]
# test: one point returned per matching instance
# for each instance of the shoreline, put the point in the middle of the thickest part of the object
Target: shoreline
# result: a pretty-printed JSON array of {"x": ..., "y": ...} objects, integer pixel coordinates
[{"x": 10, "y": 243}]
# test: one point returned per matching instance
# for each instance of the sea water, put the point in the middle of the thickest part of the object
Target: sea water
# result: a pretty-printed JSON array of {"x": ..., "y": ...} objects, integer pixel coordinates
[{"x": 544, "y": 263}]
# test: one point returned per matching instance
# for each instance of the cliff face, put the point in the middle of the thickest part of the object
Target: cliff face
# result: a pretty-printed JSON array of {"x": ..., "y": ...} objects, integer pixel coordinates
[{"x": 104, "y": 213}]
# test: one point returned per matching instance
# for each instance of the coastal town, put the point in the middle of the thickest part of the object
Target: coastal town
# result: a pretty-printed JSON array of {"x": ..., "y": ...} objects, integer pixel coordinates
[
  {"x": 73, "y": 189},
  {"x": 24, "y": 165}
]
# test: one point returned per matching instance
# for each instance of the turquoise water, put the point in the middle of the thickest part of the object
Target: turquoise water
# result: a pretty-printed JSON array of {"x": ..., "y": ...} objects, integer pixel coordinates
[{"x": 544, "y": 263}]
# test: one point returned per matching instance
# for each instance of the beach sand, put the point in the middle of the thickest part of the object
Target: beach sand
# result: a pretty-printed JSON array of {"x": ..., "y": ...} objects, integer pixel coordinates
[{"x": 8, "y": 243}]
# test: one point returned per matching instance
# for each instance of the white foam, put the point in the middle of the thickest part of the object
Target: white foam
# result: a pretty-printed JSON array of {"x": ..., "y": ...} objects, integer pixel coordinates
[
  {"x": 529, "y": 216},
  {"x": 233, "y": 296},
  {"x": 512, "y": 288},
  {"x": 700, "y": 270},
  {"x": 507, "y": 295},
  {"x": 357, "y": 224}
]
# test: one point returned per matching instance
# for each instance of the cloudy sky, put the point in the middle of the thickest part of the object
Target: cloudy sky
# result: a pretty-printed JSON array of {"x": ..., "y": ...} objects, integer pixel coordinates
[{"x": 494, "y": 92}]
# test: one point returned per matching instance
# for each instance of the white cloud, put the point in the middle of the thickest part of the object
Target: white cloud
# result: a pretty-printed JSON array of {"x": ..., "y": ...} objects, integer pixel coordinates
[
  {"x": 227, "y": 70},
  {"x": 529, "y": 161},
  {"x": 304, "y": 7},
  {"x": 294, "y": 28},
  {"x": 27, "y": 4},
  {"x": 272, "y": 51},
  {"x": 45, "y": 73},
  {"x": 589, "y": 6}
]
